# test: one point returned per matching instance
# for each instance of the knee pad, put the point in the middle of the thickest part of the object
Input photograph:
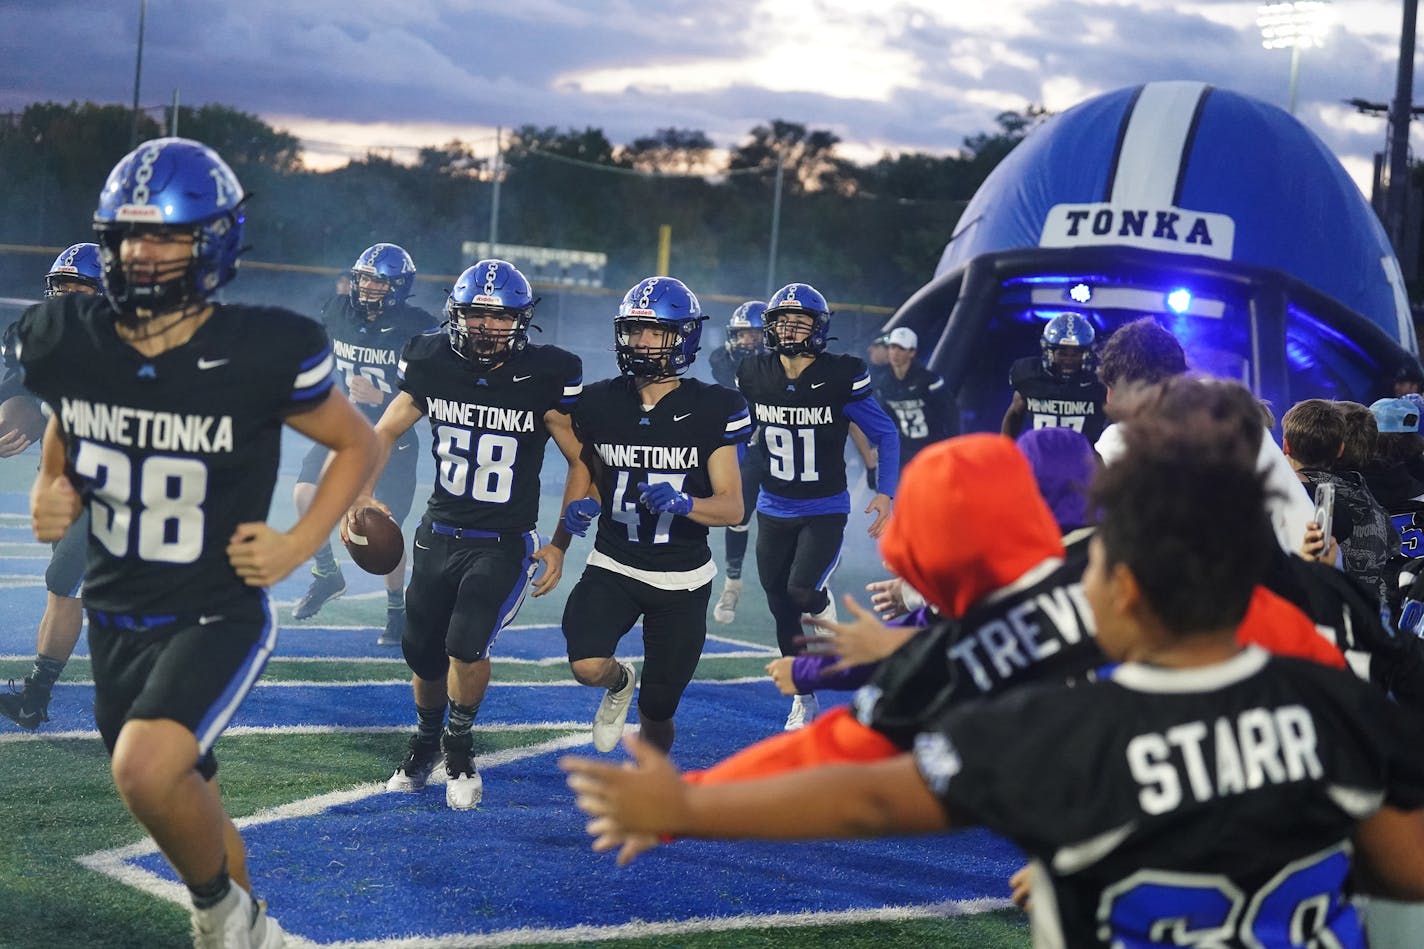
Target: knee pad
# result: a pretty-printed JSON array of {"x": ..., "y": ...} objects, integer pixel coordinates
[
  {"x": 467, "y": 646},
  {"x": 807, "y": 600},
  {"x": 658, "y": 702},
  {"x": 429, "y": 661}
]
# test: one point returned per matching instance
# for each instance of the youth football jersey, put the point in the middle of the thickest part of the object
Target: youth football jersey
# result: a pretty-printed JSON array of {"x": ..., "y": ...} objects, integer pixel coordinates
[
  {"x": 1162, "y": 803},
  {"x": 372, "y": 349},
  {"x": 1076, "y": 402},
  {"x": 920, "y": 406},
  {"x": 488, "y": 433},
  {"x": 802, "y": 422},
  {"x": 170, "y": 453},
  {"x": 670, "y": 443}
]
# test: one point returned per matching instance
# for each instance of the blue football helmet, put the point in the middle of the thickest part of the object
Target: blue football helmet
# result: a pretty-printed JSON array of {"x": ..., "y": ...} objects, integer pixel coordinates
[
  {"x": 666, "y": 303},
  {"x": 1067, "y": 331},
  {"x": 748, "y": 316},
  {"x": 172, "y": 186},
  {"x": 798, "y": 299},
  {"x": 76, "y": 264},
  {"x": 381, "y": 262},
  {"x": 491, "y": 288}
]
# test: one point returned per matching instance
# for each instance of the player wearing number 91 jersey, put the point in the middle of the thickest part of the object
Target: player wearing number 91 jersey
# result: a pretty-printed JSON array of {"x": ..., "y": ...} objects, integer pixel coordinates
[
  {"x": 662, "y": 451},
  {"x": 493, "y": 401},
  {"x": 804, "y": 400}
]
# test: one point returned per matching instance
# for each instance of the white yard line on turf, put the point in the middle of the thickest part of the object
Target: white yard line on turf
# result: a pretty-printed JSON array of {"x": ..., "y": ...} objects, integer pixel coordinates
[
  {"x": 260, "y": 730},
  {"x": 405, "y": 680}
]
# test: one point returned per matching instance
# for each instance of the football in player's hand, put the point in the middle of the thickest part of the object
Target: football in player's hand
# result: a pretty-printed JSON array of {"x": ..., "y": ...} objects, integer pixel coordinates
[
  {"x": 374, "y": 541},
  {"x": 22, "y": 414}
]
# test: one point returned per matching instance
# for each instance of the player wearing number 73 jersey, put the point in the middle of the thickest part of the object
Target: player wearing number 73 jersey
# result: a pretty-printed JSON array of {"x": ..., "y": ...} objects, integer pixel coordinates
[
  {"x": 804, "y": 400},
  {"x": 493, "y": 401},
  {"x": 662, "y": 452}
]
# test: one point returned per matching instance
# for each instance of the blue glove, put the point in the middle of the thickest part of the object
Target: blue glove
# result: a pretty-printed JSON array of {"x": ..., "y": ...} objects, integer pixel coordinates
[
  {"x": 579, "y": 514},
  {"x": 663, "y": 498},
  {"x": 1412, "y": 619},
  {"x": 872, "y": 478}
]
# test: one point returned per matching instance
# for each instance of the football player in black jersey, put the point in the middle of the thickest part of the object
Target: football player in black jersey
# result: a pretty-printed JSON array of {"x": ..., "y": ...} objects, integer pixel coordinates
[
  {"x": 914, "y": 397},
  {"x": 1194, "y": 784},
  {"x": 1058, "y": 388},
  {"x": 804, "y": 400},
  {"x": 168, "y": 414},
  {"x": 746, "y": 335},
  {"x": 369, "y": 328},
  {"x": 661, "y": 451},
  {"x": 493, "y": 401},
  {"x": 75, "y": 270}
]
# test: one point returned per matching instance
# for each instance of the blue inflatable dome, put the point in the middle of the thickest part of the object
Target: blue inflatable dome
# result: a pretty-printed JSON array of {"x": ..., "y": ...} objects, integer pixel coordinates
[{"x": 1218, "y": 214}]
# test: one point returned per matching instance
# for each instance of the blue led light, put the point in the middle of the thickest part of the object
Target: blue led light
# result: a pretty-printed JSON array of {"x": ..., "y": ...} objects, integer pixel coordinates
[{"x": 1179, "y": 300}]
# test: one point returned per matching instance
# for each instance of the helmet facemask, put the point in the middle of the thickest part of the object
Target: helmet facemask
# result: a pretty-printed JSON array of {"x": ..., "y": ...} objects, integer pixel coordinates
[
  {"x": 487, "y": 335},
  {"x": 641, "y": 353},
  {"x": 796, "y": 332},
  {"x": 166, "y": 281}
]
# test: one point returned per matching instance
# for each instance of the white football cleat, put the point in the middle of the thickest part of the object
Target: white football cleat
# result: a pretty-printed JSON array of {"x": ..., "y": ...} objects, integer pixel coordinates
[
  {"x": 726, "y": 609},
  {"x": 804, "y": 709},
  {"x": 613, "y": 712}
]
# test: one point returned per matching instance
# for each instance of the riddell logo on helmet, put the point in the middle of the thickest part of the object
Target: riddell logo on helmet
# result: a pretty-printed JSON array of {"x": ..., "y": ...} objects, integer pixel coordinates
[
  {"x": 145, "y": 213},
  {"x": 640, "y": 311},
  {"x": 492, "y": 301}
]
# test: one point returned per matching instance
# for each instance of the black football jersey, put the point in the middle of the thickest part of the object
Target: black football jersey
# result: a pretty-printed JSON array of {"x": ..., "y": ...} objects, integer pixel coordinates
[
  {"x": 1040, "y": 630},
  {"x": 1166, "y": 805},
  {"x": 802, "y": 423},
  {"x": 372, "y": 349},
  {"x": 487, "y": 428},
  {"x": 670, "y": 443},
  {"x": 1075, "y": 403},
  {"x": 920, "y": 406},
  {"x": 171, "y": 453}
]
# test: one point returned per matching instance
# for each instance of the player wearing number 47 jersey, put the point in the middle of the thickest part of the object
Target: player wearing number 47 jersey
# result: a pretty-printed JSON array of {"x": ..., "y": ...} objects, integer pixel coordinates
[
  {"x": 662, "y": 453},
  {"x": 1059, "y": 388},
  {"x": 369, "y": 328},
  {"x": 168, "y": 415},
  {"x": 493, "y": 401},
  {"x": 804, "y": 400}
]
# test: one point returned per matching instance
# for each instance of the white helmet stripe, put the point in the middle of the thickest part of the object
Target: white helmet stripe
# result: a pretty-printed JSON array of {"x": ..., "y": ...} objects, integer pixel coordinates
[{"x": 1155, "y": 144}]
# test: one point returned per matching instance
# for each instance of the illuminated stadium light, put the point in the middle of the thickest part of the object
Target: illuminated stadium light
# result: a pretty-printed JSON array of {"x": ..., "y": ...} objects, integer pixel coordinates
[
  {"x": 1300, "y": 24},
  {"x": 1296, "y": 26},
  {"x": 1080, "y": 293},
  {"x": 1179, "y": 300}
]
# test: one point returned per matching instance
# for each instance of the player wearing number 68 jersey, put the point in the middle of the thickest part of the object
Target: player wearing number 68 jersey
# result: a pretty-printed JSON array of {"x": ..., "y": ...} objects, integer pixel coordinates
[
  {"x": 662, "y": 452},
  {"x": 493, "y": 401},
  {"x": 803, "y": 400},
  {"x": 369, "y": 327}
]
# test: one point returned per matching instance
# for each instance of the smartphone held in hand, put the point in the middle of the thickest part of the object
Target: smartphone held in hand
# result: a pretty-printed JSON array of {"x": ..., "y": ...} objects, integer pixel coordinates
[{"x": 1325, "y": 508}]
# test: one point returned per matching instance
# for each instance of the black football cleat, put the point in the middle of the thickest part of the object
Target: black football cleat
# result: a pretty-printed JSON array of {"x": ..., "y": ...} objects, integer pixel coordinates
[
  {"x": 27, "y": 706},
  {"x": 323, "y": 589},
  {"x": 395, "y": 629}
]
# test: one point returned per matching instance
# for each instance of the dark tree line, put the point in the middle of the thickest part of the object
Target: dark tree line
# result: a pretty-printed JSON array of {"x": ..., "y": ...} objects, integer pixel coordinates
[{"x": 867, "y": 233}]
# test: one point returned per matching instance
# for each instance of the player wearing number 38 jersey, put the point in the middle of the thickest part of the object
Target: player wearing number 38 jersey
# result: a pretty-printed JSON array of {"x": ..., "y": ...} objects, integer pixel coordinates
[
  {"x": 493, "y": 401},
  {"x": 662, "y": 452}
]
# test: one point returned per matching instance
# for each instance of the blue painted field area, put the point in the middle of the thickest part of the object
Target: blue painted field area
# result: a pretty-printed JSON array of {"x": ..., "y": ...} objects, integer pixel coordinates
[{"x": 366, "y": 869}]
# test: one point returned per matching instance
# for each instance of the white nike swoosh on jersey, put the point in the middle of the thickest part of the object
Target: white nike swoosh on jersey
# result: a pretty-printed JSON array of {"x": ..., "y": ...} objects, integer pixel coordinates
[
  {"x": 817, "y": 385},
  {"x": 679, "y": 418},
  {"x": 421, "y": 546},
  {"x": 205, "y": 620},
  {"x": 522, "y": 378},
  {"x": 212, "y": 363},
  {"x": 387, "y": 329}
]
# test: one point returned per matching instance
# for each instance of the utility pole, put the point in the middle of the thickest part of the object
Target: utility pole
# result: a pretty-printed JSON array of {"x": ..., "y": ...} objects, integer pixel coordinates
[
  {"x": 1396, "y": 199},
  {"x": 173, "y": 117},
  {"x": 138, "y": 73},
  {"x": 494, "y": 196},
  {"x": 775, "y": 225}
]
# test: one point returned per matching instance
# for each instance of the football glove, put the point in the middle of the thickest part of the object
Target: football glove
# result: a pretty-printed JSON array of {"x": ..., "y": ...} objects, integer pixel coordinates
[
  {"x": 872, "y": 478},
  {"x": 663, "y": 498},
  {"x": 579, "y": 514}
]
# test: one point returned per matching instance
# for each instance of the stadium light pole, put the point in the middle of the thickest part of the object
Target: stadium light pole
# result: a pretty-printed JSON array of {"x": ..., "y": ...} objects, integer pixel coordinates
[
  {"x": 1295, "y": 25},
  {"x": 138, "y": 73},
  {"x": 775, "y": 223}
]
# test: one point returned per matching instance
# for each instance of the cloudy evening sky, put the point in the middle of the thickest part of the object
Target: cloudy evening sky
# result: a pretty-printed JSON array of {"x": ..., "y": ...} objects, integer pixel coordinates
[{"x": 918, "y": 75}]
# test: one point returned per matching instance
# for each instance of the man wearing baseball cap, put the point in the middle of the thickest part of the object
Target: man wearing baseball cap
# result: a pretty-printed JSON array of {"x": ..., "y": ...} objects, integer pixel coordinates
[{"x": 914, "y": 397}]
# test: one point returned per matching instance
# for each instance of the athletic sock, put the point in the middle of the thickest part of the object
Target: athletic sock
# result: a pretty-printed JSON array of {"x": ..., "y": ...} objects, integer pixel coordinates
[
  {"x": 429, "y": 723},
  {"x": 736, "y": 552},
  {"x": 462, "y": 718},
  {"x": 210, "y": 894},
  {"x": 395, "y": 599},
  {"x": 46, "y": 671},
  {"x": 325, "y": 561},
  {"x": 622, "y": 682}
]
